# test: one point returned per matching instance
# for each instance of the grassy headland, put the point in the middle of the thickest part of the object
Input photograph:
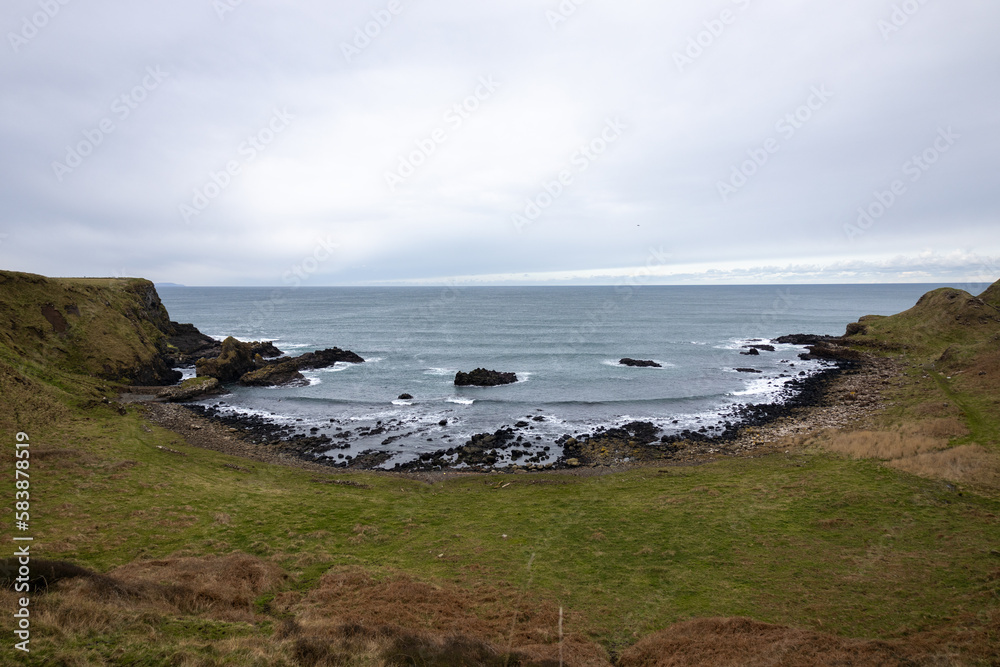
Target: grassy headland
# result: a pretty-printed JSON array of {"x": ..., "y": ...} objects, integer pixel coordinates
[{"x": 878, "y": 544}]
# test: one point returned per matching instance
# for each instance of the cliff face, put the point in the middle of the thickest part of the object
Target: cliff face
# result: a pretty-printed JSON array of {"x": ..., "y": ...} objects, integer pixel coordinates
[{"x": 114, "y": 329}]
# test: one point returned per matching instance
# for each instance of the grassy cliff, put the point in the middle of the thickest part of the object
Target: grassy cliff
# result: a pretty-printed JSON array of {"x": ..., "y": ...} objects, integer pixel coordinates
[
  {"x": 66, "y": 343},
  {"x": 199, "y": 558},
  {"x": 114, "y": 329},
  {"x": 946, "y": 324}
]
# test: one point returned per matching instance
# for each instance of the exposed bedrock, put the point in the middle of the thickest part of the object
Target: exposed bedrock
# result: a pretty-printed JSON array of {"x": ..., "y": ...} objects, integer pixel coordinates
[{"x": 484, "y": 378}]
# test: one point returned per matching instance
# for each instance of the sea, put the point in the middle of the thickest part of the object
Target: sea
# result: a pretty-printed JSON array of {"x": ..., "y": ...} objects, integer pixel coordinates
[{"x": 564, "y": 344}]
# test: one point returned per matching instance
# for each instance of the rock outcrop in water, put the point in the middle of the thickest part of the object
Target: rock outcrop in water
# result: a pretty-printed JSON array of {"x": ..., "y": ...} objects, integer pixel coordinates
[
  {"x": 484, "y": 378},
  {"x": 187, "y": 345},
  {"x": 639, "y": 363},
  {"x": 287, "y": 371},
  {"x": 828, "y": 348},
  {"x": 235, "y": 360}
]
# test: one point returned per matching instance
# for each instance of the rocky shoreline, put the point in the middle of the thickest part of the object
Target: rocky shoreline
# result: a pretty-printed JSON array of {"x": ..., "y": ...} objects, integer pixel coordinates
[{"x": 846, "y": 391}]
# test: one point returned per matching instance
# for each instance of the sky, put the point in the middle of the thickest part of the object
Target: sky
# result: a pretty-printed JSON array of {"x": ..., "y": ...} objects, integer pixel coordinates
[{"x": 384, "y": 142}]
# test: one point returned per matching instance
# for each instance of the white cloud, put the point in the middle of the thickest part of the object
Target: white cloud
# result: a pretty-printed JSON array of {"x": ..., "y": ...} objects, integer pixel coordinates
[{"x": 657, "y": 186}]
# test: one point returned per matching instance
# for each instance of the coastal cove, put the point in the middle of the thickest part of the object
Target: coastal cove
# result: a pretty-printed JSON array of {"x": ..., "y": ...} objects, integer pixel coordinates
[
  {"x": 400, "y": 409},
  {"x": 852, "y": 522}
]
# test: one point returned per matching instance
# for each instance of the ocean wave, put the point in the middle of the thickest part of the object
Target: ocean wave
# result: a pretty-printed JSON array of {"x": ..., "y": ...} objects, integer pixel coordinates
[
  {"x": 460, "y": 401},
  {"x": 336, "y": 368},
  {"x": 400, "y": 401},
  {"x": 440, "y": 371},
  {"x": 763, "y": 387},
  {"x": 741, "y": 343}
]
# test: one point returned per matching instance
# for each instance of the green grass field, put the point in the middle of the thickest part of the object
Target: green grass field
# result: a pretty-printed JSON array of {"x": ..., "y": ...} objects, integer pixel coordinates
[{"x": 802, "y": 538}]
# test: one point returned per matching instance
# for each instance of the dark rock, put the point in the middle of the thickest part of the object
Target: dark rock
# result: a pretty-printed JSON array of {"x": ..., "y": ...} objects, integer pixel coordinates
[
  {"x": 232, "y": 363},
  {"x": 748, "y": 370},
  {"x": 640, "y": 363},
  {"x": 752, "y": 352},
  {"x": 326, "y": 358},
  {"x": 759, "y": 347},
  {"x": 480, "y": 450},
  {"x": 405, "y": 397},
  {"x": 190, "y": 389},
  {"x": 265, "y": 349},
  {"x": 484, "y": 378},
  {"x": 805, "y": 339},
  {"x": 272, "y": 375},
  {"x": 286, "y": 370},
  {"x": 185, "y": 345},
  {"x": 831, "y": 352}
]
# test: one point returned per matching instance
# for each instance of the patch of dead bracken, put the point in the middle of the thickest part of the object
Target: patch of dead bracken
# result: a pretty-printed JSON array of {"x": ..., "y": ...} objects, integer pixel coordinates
[
  {"x": 505, "y": 618},
  {"x": 746, "y": 642}
]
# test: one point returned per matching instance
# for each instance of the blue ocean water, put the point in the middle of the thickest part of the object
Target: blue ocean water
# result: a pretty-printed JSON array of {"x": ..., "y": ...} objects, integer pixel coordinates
[{"x": 564, "y": 343}]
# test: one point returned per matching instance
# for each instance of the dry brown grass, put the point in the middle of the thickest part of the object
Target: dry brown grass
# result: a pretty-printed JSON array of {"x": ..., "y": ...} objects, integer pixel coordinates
[
  {"x": 503, "y": 617},
  {"x": 921, "y": 448},
  {"x": 884, "y": 445},
  {"x": 220, "y": 587},
  {"x": 944, "y": 427},
  {"x": 970, "y": 464},
  {"x": 745, "y": 642},
  {"x": 353, "y": 618}
]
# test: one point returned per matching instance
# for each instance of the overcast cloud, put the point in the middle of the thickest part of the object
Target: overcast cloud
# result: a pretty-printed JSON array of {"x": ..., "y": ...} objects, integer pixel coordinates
[{"x": 528, "y": 141}]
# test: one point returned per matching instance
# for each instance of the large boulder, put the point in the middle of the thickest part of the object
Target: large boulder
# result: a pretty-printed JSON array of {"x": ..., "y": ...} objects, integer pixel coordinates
[
  {"x": 639, "y": 363},
  {"x": 484, "y": 378},
  {"x": 234, "y": 360},
  {"x": 325, "y": 358}
]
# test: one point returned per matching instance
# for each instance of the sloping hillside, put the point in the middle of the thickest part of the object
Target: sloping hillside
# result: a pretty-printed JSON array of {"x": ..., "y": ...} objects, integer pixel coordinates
[
  {"x": 173, "y": 554},
  {"x": 113, "y": 329},
  {"x": 946, "y": 322}
]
